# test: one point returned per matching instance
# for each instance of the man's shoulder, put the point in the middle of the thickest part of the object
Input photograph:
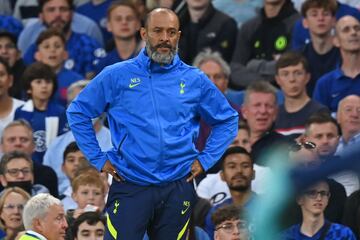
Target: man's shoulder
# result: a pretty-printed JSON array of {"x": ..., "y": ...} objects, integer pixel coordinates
[{"x": 330, "y": 76}]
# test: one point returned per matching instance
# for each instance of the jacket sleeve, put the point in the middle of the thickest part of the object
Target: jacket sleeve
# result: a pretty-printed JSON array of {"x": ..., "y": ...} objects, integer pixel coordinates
[
  {"x": 223, "y": 119},
  {"x": 89, "y": 104}
]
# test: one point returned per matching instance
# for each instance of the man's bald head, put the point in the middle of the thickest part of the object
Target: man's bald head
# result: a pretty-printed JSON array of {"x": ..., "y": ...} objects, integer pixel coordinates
[
  {"x": 157, "y": 11},
  {"x": 344, "y": 21}
]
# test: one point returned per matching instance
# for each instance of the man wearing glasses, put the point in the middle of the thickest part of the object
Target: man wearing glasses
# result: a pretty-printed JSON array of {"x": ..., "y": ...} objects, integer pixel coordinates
[
  {"x": 230, "y": 224},
  {"x": 313, "y": 202},
  {"x": 16, "y": 169}
]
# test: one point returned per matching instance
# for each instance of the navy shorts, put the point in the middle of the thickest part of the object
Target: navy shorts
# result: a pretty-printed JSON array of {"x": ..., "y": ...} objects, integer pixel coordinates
[{"x": 161, "y": 211}]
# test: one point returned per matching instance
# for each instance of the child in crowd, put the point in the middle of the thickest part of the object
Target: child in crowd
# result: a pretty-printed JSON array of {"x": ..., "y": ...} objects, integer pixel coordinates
[
  {"x": 51, "y": 51},
  {"x": 47, "y": 118},
  {"x": 88, "y": 193},
  {"x": 74, "y": 160}
]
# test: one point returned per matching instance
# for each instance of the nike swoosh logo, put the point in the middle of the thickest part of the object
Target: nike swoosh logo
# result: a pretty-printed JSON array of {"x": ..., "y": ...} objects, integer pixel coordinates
[
  {"x": 133, "y": 85},
  {"x": 185, "y": 210}
]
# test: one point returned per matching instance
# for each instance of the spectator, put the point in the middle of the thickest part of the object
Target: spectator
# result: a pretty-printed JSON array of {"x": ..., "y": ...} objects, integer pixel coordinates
[
  {"x": 44, "y": 218},
  {"x": 89, "y": 195},
  {"x": 89, "y": 225},
  {"x": 74, "y": 160},
  {"x": 12, "y": 55},
  {"x": 348, "y": 117},
  {"x": 260, "y": 110},
  {"x": 123, "y": 21},
  {"x": 260, "y": 42},
  {"x": 323, "y": 130},
  {"x": 51, "y": 51},
  {"x": 322, "y": 55},
  {"x": 8, "y": 104},
  {"x": 304, "y": 156},
  {"x": 79, "y": 24},
  {"x": 301, "y": 35},
  {"x": 83, "y": 50},
  {"x": 313, "y": 202},
  {"x": 344, "y": 80},
  {"x": 292, "y": 75},
  {"x": 16, "y": 169},
  {"x": 18, "y": 135},
  {"x": 230, "y": 223},
  {"x": 12, "y": 203},
  {"x": 238, "y": 173},
  {"x": 202, "y": 26},
  {"x": 47, "y": 118},
  {"x": 54, "y": 154}
]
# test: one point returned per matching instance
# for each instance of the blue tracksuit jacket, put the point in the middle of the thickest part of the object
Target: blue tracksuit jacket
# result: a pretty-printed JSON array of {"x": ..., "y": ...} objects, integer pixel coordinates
[{"x": 153, "y": 113}]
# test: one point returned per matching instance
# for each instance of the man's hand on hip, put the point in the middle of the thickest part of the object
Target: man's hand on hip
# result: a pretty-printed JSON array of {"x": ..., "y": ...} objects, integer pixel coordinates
[
  {"x": 196, "y": 170},
  {"x": 110, "y": 169}
]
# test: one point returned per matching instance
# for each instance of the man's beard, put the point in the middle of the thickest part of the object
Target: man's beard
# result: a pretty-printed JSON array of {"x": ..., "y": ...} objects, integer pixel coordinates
[
  {"x": 65, "y": 28},
  {"x": 159, "y": 57}
]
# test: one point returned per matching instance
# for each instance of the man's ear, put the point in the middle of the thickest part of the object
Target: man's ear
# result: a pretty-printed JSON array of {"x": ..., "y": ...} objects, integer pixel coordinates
[
  {"x": 222, "y": 175},
  {"x": 336, "y": 42},
  {"x": 143, "y": 34},
  {"x": 305, "y": 23}
]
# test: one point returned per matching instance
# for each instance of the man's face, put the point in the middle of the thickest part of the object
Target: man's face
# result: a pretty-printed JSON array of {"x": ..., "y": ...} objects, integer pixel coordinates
[
  {"x": 197, "y": 4},
  {"x": 51, "y": 52},
  {"x": 347, "y": 36},
  {"x": 293, "y": 80},
  {"x": 348, "y": 115},
  {"x": 17, "y": 170},
  {"x": 88, "y": 194},
  {"x": 238, "y": 172},
  {"x": 123, "y": 23},
  {"x": 17, "y": 138},
  {"x": 53, "y": 226},
  {"x": 73, "y": 161},
  {"x": 315, "y": 199},
  {"x": 90, "y": 232},
  {"x": 319, "y": 21},
  {"x": 6, "y": 81},
  {"x": 215, "y": 74},
  {"x": 260, "y": 111},
  {"x": 325, "y": 136},
  {"x": 161, "y": 37},
  {"x": 57, "y": 14},
  {"x": 231, "y": 230},
  {"x": 8, "y": 51}
]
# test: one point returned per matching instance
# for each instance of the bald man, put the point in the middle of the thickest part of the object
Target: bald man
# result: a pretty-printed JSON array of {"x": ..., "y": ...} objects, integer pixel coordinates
[
  {"x": 344, "y": 80},
  {"x": 348, "y": 117},
  {"x": 153, "y": 103}
]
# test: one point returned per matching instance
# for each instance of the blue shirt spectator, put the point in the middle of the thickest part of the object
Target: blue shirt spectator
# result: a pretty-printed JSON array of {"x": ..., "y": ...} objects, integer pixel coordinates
[
  {"x": 79, "y": 24},
  {"x": 334, "y": 86}
]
